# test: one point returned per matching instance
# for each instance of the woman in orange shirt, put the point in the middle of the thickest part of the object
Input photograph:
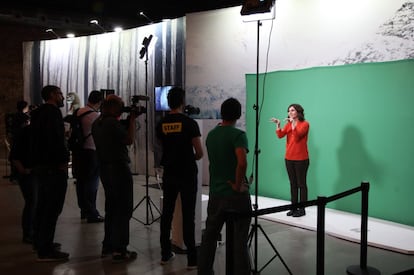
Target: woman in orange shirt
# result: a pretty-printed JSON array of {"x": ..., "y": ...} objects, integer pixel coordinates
[{"x": 296, "y": 158}]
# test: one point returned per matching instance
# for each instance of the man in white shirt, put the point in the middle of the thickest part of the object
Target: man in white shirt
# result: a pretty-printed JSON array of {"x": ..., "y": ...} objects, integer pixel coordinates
[{"x": 86, "y": 163}]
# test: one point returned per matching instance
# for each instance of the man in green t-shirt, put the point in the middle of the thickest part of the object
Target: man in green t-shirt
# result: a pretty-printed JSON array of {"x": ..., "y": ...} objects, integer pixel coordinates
[{"x": 227, "y": 148}]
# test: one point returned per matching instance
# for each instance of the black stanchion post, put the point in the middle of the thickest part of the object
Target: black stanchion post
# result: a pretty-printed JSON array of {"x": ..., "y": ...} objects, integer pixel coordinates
[
  {"x": 320, "y": 237},
  {"x": 362, "y": 268},
  {"x": 364, "y": 225}
]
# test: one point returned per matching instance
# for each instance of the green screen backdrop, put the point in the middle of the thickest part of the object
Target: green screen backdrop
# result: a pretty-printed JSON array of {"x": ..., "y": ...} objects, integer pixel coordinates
[{"x": 361, "y": 129}]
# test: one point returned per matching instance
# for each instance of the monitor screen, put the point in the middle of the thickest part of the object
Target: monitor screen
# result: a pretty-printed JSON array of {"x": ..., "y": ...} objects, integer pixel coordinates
[
  {"x": 106, "y": 92},
  {"x": 161, "y": 102}
]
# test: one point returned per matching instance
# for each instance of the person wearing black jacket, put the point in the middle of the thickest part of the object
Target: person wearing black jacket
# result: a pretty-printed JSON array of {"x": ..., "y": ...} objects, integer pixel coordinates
[
  {"x": 20, "y": 160},
  {"x": 49, "y": 157},
  {"x": 112, "y": 139}
]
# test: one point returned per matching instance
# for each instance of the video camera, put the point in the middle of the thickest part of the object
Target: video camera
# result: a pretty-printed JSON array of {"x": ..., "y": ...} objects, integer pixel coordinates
[
  {"x": 191, "y": 110},
  {"x": 135, "y": 107}
]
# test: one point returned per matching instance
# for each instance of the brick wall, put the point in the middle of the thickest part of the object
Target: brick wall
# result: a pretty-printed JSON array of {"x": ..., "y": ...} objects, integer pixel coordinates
[{"x": 12, "y": 35}]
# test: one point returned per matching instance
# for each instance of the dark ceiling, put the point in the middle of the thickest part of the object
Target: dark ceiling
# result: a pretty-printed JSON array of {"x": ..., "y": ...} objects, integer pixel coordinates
[{"x": 74, "y": 15}]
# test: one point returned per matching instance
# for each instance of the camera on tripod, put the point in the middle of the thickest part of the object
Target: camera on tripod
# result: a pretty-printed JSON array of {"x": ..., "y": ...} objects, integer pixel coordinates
[
  {"x": 135, "y": 107},
  {"x": 191, "y": 110}
]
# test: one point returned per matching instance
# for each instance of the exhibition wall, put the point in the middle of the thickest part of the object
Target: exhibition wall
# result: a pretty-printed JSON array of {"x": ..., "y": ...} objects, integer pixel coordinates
[
  {"x": 349, "y": 63},
  {"x": 112, "y": 61}
]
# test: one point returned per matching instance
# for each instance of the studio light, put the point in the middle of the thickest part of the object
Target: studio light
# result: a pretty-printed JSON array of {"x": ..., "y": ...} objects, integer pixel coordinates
[
  {"x": 258, "y": 10},
  {"x": 256, "y": 6},
  {"x": 146, "y": 17},
  {"x": 70, "y": 35},
  {"x": 96, "y": 23},
  {"x": 118, "y": 29},
  {"x": 53, "y": 32},
  {"x": 144, "y": 49}
]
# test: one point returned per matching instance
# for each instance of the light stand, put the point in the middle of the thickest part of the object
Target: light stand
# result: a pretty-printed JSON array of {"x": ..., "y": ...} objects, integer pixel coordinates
[
  {"x": 148, "y": 202},
  {"x": 260, "y": 7}
]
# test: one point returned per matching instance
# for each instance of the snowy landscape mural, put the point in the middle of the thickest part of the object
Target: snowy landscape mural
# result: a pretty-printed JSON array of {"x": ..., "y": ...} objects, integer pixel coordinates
[{"x": 221, "y": 48}]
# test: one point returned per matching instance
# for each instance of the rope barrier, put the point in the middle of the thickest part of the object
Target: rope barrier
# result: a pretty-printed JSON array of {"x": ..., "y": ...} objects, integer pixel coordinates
[{"x": 321, "y": 203}]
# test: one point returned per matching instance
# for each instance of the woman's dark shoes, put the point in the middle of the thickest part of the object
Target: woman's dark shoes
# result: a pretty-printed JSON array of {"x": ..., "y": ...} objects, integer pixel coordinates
[
  {"x": 290, "y": 213},
  {"x": 299, "y": 213}
]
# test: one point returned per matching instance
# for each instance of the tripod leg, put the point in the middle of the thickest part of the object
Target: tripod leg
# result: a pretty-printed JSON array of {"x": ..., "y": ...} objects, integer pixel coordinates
[
  {"x": 138, "y": 204},
  {"x": 155, "y": 206},
  {"x": 274, "y": 249},
  {"x": 150, "y": 205},
  {"x": 250, "y": 238}
]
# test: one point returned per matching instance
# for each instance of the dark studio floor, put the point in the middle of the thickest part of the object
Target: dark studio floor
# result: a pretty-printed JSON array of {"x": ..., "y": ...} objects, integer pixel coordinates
[{"x": 296, "y": 246}]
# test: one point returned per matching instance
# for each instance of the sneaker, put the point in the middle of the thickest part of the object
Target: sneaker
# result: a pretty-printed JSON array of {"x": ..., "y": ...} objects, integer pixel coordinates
[
  {"x": 27, "y": 240},
  {"x": 53, "y": 256},
  {"x": 55, "y": 246},
  {"x": 168, "y": 259},
  {"x": 106, "y": 251},
  {"x": 96, "y": 219},
  {"x": 118, "y": 257},
  {"x": 192, "y": 260}
]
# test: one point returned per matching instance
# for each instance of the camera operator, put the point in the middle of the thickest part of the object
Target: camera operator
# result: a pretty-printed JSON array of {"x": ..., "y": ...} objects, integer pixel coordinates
[
  {"x": 181, "y": 143},
  {"x": 111, "y": 140}
]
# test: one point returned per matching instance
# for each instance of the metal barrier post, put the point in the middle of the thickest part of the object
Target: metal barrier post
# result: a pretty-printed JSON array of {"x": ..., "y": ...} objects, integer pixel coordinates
[
  {"x": 363, "y": 269},
  {"x": 320, "y": 236}
]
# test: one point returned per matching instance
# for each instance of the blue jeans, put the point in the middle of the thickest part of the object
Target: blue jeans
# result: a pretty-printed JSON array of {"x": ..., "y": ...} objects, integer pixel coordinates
[{"x": 217, "y": 206}]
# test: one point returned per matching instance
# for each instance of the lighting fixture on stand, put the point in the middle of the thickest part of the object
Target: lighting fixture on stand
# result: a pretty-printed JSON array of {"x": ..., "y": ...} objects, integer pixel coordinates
[
  {"x": 53, "y": 32},
  {"x": 257, "y": 10},
  {"x": 146, "y": 17},
  {"x": 96, "y": 23},
  {"x": 148, "y": 202}
]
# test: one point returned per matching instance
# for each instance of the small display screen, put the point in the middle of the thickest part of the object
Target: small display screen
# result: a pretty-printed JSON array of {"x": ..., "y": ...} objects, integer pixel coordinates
[{"x": 161, "y": 101}]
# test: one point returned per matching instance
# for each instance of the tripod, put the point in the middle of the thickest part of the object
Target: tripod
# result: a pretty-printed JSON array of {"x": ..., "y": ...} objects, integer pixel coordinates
[
  {"x": 147, "y": 199},
  {"x": 253, "y": 235}
]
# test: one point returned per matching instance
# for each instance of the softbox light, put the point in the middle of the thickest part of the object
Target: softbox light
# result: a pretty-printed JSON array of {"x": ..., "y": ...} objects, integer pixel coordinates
[{"x": 256, "y": 6}]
